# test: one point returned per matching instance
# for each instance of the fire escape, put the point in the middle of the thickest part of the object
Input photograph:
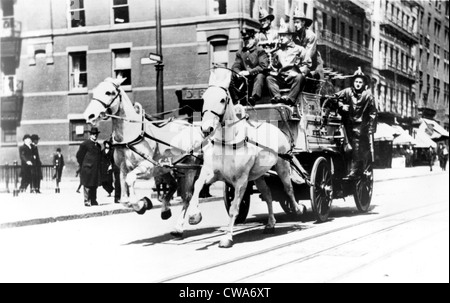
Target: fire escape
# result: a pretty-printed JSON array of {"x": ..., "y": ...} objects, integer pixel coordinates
[
  {"x": 11, "y": 93},
  {"x": 341, "y": 54}
]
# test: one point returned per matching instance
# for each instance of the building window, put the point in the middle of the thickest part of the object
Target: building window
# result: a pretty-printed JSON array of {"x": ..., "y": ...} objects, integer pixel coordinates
[
  {"x": 218, "y": 7},
  {"x": 78, "y": 131},
  {"x": 78, "y": 71},
  {"x": 120, "y": 11},
  {"x": 9, "y": 135},
  {"x": 219, "y": 54},
  {"x": 122, "y": 65},
  {"x": 77, "y": 14}
]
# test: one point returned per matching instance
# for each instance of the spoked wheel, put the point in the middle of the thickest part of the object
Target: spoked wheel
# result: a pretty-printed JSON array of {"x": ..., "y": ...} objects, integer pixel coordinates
[
  {"x": 363, "y": 190},
  {"x": 228, "y": 196},
  {"x": 321, "y": 190}
]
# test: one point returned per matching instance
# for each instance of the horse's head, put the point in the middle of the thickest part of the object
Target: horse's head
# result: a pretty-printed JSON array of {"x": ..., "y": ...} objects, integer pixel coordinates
[
  {"x": 106, "y": 99},
  {"x": 216, "y": 100}
]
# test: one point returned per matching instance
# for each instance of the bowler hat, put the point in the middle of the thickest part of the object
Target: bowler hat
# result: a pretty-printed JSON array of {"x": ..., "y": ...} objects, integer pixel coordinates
[
  {"x": 35, "y": 137},
  {"x": 26, "y": 136},
  {"x": 94, "y": 130},
  {"x": 248, "y": 33},
  {"x": 264, "y": 14},
  {"x": 300, "y": 15}
]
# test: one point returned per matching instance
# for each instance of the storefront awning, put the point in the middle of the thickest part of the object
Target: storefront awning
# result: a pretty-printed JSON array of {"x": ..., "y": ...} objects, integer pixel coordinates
[
  {"x": 385, "y": 132},
  {"x": 404, "y": 139},
  {"x": 423, "y": 140},
  {"x": 433, "y": 129}
]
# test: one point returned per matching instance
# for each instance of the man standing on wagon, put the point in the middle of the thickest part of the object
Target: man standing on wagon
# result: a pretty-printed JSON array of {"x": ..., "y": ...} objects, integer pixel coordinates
[
  {"x": 359, "y": 115},
  {"x": 251, "y": 62}
]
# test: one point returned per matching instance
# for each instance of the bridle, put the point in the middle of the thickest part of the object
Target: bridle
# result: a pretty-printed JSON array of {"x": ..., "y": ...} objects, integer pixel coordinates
[
  {"x": 108, "y": 106},
  {"x": 221, "y": 116}
]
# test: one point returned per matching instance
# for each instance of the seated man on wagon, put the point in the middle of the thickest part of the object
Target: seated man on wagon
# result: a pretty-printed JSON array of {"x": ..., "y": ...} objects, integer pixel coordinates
[
  {"x": 357, "y": 107},
  {"x": 289, "y": 68},
  {"x": 306, "y": 38},
  {"x": 267, "y": 35},
  {"x": 251, "y": 62}
]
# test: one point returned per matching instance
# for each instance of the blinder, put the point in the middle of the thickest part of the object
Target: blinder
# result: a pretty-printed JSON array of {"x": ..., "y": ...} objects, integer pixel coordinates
[
  {"x": 108, "y": 106},
  {"x": 227, "y": 101}
]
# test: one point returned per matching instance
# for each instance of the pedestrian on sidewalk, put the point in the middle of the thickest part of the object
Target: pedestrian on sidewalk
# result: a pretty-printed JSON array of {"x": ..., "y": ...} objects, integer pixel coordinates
[
  {"x": 431, "y": 157},
  {"x": 58, "y": 165},
  {"x": 89, "y": 158},
  {"x": 106, "y": 168},
  {"x": 443, "y": 156},
  {"x": 26, "y": 157},
  {"x": 37, "y": 165}
]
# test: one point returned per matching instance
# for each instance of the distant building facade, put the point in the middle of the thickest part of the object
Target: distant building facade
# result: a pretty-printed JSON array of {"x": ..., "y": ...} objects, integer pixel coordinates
[{"x": 51, "y": 64}]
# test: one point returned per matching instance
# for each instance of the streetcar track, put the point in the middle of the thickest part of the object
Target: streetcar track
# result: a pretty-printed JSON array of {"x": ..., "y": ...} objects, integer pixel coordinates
[
  {"x": 382, "y": 257},
  {"x": 290, "y": 243},
  {"x": 318, "y": 253}
]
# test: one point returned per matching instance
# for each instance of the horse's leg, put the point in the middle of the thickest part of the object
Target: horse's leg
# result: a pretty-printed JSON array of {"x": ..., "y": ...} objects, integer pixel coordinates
[
  {"x": 267, "y": 196},
  {"x": 186, "y": 184},
  {"x": 283, "y": 170},
  {"x": 140, "y": 206},
  {"x": 206, "y": 177},
  {"x": 166, "y": 213},
  {"x": 124, "y": 191},
  {"x": 239, "y": 190}
]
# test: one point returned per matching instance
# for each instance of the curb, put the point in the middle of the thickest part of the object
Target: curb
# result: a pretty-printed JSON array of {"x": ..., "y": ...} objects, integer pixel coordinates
[
  {"x": 85, "y": 215},
  {"x": 129, "y": 210}
]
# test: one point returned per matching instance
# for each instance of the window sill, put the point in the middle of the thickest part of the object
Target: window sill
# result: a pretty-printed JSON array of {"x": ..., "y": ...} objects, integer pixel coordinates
[
  {"x": 127, "y": 88},
  {"x": 12, "y": 144},
  {"x": 78, "y": 91}
]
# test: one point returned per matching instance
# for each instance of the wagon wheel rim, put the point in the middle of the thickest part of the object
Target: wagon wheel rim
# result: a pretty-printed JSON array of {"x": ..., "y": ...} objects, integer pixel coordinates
[
  {"x": 321, "y": 190},
  {"x": 364, "y": 190}
]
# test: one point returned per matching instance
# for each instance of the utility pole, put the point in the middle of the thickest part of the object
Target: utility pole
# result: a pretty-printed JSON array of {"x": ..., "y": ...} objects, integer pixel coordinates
[{"x": 160, "y": 65}]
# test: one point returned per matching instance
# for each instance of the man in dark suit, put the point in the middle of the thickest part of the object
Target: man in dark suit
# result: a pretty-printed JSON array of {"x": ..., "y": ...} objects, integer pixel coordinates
[
  {"x": 26, "y": 157},
  {"x": 89, "y": 159},
  {"x": 251, "y": 62},
  {"x": 37, "y": 164}
]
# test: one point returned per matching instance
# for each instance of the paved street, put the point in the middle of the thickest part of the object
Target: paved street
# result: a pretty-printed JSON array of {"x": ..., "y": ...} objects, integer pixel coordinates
[
  {"x": 403, "y": 238},
  {"x": 31, "y": 209}
]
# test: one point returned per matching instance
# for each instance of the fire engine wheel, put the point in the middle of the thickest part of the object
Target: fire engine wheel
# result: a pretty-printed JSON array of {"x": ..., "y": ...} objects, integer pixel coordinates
[
  {"x": 363, "y": 190},
  {"x": 245, "y": 203},
  {"x": 321, "y": 190}
]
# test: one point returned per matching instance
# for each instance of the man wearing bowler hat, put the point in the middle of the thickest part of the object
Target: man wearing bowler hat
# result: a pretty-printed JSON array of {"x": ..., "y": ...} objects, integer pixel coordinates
[
  {"x": 251, "y": 62},
  {"x": 37, "y": 164},
  {"x": 89, "y": 159},
  {"x": 26, "y": 157}
]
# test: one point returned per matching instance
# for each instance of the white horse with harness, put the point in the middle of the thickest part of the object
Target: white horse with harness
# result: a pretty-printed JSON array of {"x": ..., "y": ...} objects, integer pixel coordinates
[
  {"x": 139, "y": 143},
  {"x": 240, "y": 152}
]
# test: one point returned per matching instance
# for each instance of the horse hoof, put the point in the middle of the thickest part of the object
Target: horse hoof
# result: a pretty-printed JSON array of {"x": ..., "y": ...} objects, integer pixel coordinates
[
  {"x": 226, "y": 243},
  {"x": 177, "y": 234},
  {"x": 195, "y": 219},
  {"x": 148, "y": 203},
  {"x": 166, "y": 214},
  {"x": 269, "y": 230},
  {"x": 141, "y": 211}
]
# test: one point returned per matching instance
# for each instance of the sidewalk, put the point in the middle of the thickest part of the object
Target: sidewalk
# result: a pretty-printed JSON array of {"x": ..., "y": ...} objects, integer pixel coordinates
[{"x": 29, "y": 209}]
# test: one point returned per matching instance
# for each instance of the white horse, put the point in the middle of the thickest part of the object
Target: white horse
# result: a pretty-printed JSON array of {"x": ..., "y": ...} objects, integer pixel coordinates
[
  {"x": 139, "y": 144},
  {"x": 241, "y": 152}
]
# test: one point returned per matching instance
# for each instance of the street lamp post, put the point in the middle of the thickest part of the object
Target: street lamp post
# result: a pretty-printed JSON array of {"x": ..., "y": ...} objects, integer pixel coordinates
[{"x": 159, "y": 66}]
